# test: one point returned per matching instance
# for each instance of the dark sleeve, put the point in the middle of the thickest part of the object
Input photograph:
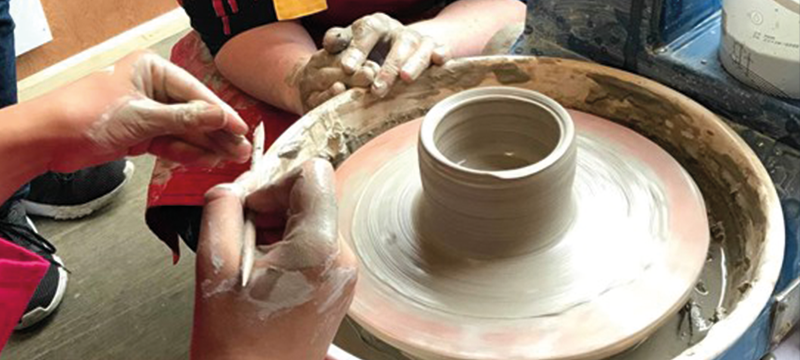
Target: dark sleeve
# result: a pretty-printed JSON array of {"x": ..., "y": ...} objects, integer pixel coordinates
[{"x": 217, "y": 21}]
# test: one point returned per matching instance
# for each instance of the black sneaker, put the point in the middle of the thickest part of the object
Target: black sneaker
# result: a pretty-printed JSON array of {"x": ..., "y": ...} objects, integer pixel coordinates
[
  {"x": 78, "y": 194},
  {"x": 19, "y": 229}
]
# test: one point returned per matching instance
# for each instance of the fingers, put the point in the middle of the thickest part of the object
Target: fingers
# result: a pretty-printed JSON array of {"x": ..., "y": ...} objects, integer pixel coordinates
[
  {"x": 273, "y": 199},
  {"x": 337, "y": 39},
  {"x": 322, "y": 72},
  {"x": 298, "y": 192},
  {"x": 144, "y": 119},
  {"x": 310, "y": 236},
  {"x": 357, "y": 53},
  {"x": 419, "y": 61},
  {"x": 168, "y": 83},
  {"x": 219, "y": 248},
  {"x": 312, "y": 202},
  {"x": 441, "y": 55},
  {"x": 366, "y": 33},
  {"x": 234, "y": 147},
  {"x": 318, "y": 98},
  {"x": 321, "y": 59},
  {"x": 329, "y": 76},
  {"x": 174, "y": 149},
  {"x": 404, "y": 46},
  {"x": 324, "y": 78},
  {"x": 365, "y": 76},
  {"x": 337, "y": 89},
  {"x": 179, "y": 118}
]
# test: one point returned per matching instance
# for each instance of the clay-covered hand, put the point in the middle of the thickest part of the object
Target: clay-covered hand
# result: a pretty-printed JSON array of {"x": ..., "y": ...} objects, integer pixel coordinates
[
  {"x": 141, "y": 104},
  {"x": 321, "y": 78},
  {"x": 409, "y": 54},
  {"x": 302, "y": 282}
]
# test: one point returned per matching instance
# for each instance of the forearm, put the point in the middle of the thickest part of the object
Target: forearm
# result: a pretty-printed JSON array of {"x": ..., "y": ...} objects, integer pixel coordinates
[
  {"x": 263, "y": 62},
  {"x": 27, "y": 139},
  {"x": 466, "y": 26}
]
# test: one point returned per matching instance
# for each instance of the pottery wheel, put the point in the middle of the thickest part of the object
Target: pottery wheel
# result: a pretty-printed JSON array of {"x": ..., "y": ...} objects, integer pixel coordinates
[{"x": 628, "y": 259}]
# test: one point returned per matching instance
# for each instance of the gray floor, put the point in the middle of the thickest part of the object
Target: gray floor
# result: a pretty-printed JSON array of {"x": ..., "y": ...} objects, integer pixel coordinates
[{"x": 125, "y": 299}]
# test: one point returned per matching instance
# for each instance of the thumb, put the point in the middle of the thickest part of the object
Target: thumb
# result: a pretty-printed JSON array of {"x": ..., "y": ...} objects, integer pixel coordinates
[
  {"x": 310, "y": 237},
  {"x": 219, "y": 248},
  {"x": 337, "y": 39}
]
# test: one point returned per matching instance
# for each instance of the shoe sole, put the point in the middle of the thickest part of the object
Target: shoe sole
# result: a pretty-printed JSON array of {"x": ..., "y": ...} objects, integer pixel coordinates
[
  {"x": 68, "y": 212},
  {"x": 36, "y": 315}
]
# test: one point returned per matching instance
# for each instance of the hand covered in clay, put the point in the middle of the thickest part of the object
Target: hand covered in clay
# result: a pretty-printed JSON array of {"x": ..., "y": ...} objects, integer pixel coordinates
[
  {"x": 302, "y": 282},
  {"x": 409, "y": 54},
  {"x": 322, "y": 78},
  {"x": 145, "y": 104}
]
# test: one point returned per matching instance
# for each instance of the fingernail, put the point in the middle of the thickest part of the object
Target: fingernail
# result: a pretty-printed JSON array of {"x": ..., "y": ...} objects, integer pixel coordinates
[
  {"x": 379, "y": 88},
  {"x": 349, "y": 63},
  {"x": 407, "y": 74},
  {"x": 234, "y": 188},
  {"x": 241, "y": 154},
  {"x": 339, "y": 88}
]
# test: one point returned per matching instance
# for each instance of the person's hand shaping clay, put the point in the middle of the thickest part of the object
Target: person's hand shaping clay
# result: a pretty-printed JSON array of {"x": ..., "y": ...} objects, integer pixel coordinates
[
  {"x": 141, "y": 104},
  {"x": 322, "y": 78},
  {"x": 409, "y": 54},
  {"x": 302, "y": 282}
]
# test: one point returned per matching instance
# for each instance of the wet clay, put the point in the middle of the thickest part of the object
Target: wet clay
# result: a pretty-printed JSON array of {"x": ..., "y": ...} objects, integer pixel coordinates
[
  {"x": 678, "y": 333},
  {"x": 639, "y": 226},
  {"x": 497, "y": 165},
  {"x": 743, "y": 208}
]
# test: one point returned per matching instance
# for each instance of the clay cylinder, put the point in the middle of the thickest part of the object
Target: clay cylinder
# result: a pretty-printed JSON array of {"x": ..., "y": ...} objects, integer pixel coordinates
[{"x": 497, "y": 166}]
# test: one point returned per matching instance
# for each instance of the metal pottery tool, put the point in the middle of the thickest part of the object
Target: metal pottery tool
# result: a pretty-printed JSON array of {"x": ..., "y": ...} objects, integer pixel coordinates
[{"x": 249, "y": 235}]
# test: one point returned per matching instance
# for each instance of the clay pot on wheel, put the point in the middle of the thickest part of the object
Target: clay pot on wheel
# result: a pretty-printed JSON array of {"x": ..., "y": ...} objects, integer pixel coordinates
[{"x": 741, "y": 200}]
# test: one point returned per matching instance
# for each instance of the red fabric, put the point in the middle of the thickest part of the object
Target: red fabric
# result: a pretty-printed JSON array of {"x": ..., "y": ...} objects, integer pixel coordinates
[
  {"x": 218, "y": 8},
  {"x": 20, "y": 274},
  {"x": 176, "y": 185},
  {"x": 234, "y": 6}
]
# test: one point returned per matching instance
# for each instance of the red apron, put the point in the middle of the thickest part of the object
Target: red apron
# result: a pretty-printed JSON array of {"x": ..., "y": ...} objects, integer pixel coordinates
[{"x": 177, "y": 185}]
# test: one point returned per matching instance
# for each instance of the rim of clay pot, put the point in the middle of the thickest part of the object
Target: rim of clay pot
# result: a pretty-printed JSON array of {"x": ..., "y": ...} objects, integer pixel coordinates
[{"x": 446, "y": 107}]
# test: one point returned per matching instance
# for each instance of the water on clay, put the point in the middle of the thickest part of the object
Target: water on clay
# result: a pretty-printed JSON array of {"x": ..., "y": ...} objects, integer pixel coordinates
[
  {"x": 681, "y": 331},
  {"x": 690, "y": 324}
]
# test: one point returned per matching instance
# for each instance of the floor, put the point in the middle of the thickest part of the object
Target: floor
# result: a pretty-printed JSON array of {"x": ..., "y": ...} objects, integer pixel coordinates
[{"x": 125, "y": 299}]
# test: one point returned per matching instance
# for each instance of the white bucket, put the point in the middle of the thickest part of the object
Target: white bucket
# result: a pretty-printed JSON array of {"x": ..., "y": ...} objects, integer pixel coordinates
[{"x": 761, "y": 44}]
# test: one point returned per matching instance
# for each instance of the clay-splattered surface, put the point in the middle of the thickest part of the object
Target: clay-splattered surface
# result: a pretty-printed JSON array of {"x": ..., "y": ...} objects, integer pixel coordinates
[{"x": 741, "y": 200}]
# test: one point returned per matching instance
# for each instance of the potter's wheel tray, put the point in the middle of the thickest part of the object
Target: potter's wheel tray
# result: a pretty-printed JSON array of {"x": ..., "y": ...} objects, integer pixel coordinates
[{"x": 501, "y": 230}]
